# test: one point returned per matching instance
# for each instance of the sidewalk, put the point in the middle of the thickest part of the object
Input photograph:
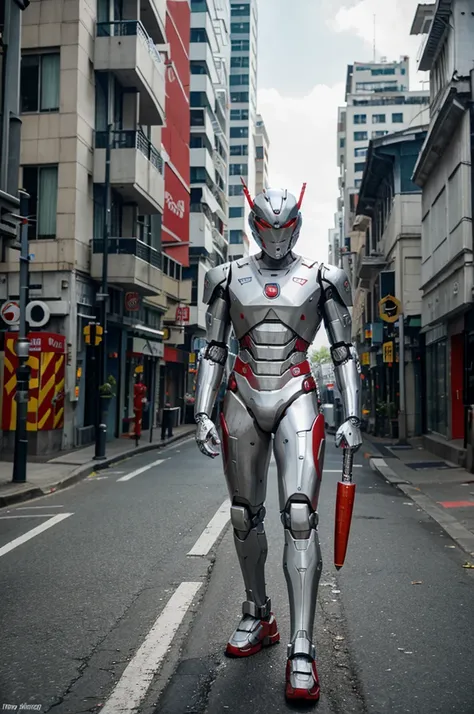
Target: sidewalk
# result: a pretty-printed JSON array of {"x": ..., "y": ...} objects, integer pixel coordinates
[
  {"x": 442, "y": 489},
  {"x": 72, "y": 466}
]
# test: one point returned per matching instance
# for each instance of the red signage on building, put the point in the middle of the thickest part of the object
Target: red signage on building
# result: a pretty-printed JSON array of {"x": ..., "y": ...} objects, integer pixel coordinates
[
  {"x": 182, "y": 313},
  {"x": 132, "y": 302}
]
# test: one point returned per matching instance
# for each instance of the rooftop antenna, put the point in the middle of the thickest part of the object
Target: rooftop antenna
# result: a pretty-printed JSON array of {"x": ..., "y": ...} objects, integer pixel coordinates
[{"x": 374, "y": 36}]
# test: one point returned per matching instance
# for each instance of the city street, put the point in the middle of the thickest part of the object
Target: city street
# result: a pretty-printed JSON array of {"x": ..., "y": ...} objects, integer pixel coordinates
[{"x": 102, "y": 608}]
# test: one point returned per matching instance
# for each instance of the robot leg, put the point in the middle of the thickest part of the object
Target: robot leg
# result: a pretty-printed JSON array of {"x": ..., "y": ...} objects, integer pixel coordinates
[
  {"x": 247, "y": 451},
  {"x": 299, "y": 452}
]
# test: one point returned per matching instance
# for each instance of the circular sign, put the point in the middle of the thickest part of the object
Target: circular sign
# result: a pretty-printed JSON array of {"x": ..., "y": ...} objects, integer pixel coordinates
[
  {"x": 10, "y": 313},
  {"x": 37, "y": 313},
  {"x": 132, "y": 302}
]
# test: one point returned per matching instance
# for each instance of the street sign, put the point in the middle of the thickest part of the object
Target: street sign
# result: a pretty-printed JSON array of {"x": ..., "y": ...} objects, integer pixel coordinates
[
  {"x": 182, "y": 313},
  {"x": 365, "y": 358},
  {"x": 10, "y": 312},
  {"x": 389, "y": 308},
  {"x": 387, "y": 348},
  {"x": 132, "y": 301}
]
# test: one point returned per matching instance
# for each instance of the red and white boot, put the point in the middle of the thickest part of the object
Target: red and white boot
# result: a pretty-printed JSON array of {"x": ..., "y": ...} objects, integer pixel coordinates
[
  {"x": 302, "y": 681},
  {"x": 251, "y": 635}
]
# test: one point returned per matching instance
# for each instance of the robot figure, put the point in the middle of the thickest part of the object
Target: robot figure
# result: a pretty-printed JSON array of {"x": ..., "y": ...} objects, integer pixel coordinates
[{"x": 275, "y": 301}]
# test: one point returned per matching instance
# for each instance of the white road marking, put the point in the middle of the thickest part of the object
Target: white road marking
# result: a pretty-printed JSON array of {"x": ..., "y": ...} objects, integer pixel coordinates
[
  {"x": 30, "y": 515},
  {"x": 141, "y": 470},
  {"x": 29, "y": 508},
  {"x": 138, "y": 675},
  {"x": 34, "y": 532},
  {"x": 212, "y": 531}
]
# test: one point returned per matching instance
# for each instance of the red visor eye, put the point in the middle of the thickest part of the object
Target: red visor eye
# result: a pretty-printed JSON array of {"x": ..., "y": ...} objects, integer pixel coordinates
[
  {"x": 261, "y": 222},
  {"x": 290, "y": 223}
]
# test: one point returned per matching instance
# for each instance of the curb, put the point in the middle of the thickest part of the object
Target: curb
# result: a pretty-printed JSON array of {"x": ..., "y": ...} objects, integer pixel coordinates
[
  {"x": 84, "y": 470},
  {"x": 459, "y": 534}
]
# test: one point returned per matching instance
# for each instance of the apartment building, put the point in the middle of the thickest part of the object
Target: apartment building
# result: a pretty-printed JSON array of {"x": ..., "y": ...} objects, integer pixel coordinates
[
  {"x": 377, "y": 102},
  {"x": 444, "y": 173},
  {"x": 93, "y": 79},
  {"x": 243, "y": 116},
  {"x": 335, "y": 240},
  {"x": 262, "y": 148}
]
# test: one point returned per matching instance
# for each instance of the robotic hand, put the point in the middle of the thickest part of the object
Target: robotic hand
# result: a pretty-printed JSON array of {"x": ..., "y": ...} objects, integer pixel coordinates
[
  {"x": 206, "y": 436},
  {"x": 348, "y": 435}
]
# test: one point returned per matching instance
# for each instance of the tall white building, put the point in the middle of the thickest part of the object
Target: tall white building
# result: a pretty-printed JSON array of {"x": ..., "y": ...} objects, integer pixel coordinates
[
  {"x": 262, "y": 147},
  {"x": 243, "y": 116},
  {"x": 378, "y": 102},
  {"x": 209, "y": 145}
]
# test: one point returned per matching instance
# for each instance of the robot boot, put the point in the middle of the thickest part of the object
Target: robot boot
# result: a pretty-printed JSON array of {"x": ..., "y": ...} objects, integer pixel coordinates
[
  {"x": 302, "y": 680},
  {"x": 253, "y": 633}
]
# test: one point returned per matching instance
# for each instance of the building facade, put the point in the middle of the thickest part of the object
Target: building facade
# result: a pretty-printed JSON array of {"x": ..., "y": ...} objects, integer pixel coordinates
[
  {"x": 93, "y": 81},
  {"x": 378, "y": 102},
  {"x": 262, "y": 148},
  {"x": 444, "y": 173},
  {"x": 243, "y": 115}
]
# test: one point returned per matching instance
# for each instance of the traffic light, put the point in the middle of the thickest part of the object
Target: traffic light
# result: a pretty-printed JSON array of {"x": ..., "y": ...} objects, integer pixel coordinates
[
  {"x": 22, "y": 4},
  {"x": 93, "y": 333}
]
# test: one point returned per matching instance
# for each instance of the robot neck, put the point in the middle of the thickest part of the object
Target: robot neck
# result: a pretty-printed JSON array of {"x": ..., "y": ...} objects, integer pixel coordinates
[{"x": 273, "y": 263}]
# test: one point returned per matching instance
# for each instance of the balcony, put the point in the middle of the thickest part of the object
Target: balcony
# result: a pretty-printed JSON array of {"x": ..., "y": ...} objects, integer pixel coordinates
[
  {"x": 153, "y": 16},
  {"x": 132, "y": 264},
  {"x": 368, "y": 267},
  {"x": 126, "y": 49},
  {"x": 136, "y": 169}
]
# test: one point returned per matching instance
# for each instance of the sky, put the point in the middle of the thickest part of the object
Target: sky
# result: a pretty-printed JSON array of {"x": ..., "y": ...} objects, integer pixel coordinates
[{"x": 304, "y": 49}]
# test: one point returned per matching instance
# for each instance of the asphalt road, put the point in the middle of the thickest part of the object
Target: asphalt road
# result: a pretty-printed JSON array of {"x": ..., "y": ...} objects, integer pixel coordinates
[{"x": 77, "y": 600}]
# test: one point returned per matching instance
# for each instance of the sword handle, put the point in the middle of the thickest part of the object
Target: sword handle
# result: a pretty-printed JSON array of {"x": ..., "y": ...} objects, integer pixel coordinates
[{"x": 347, "y": 462}]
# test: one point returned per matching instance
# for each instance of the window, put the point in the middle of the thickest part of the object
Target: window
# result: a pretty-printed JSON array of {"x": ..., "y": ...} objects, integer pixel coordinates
[
  {"x": 342, "y": 143},
  {"x": 197, "y": 117},
  {"x": 240, "y": 11},
  {"x": 239, "y": 80},
  {"x": 360, "y": 118},
  {"x": 358, "y": 183},
  {"x": 198, "y": 174},
  {"x": 41, "y": 182},
  {"x": 240, "y": 28},
  {"x": 197, "y": 68},
  {"x": 380, "y": 132},
  {"x": 378, "y": 119},
  {"x": 196, "y": 142},
  {"x": 382, "y": 70},
  {"x": 242, "y": 97},
  {"x": 397, "y": 118},
  {"x": 359, "y": 166},
  {"x": 360, "y": 136},
  {"x": 40, "y": 83},
  {"x": 238, "y": 169},
  {"x": 239, "y": 114},
  {"x": 240, "y": 45},
  {"x": 240, "y": 62},
  {"x": 239, "y": 150},
  {"x": 235, "y": 190},
  {"x": 236, "y": 212},
  {"x": 199, "y": 34},
  {"x": 237, "y": 132},
  {"x": 235, "y": 237},
  {"x": 387, "y": 86},
  {"x": 361, "y": 153},
  {"x": 259, "y": 152}
]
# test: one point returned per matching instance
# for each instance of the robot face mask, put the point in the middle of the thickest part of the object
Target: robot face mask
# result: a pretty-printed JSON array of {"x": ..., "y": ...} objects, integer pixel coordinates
[{"x": 275, "y": 220}]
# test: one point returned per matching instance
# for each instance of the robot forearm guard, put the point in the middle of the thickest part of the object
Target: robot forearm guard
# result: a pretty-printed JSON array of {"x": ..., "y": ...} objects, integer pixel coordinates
[
  {"x": 348, "y": 382},
  {"x": 208, "y": 382}
]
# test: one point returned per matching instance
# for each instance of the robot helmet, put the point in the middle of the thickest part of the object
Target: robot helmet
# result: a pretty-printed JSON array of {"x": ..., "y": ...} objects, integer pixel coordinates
[{"x": 275, "y": 220}]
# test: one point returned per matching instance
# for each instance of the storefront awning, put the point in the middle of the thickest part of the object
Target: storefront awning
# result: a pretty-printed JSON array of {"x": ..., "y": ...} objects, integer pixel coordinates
[{"x": 147, "y": 330}]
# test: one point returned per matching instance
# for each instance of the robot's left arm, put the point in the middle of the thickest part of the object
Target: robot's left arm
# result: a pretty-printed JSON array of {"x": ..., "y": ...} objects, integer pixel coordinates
[{"x": 335, "y": 302}]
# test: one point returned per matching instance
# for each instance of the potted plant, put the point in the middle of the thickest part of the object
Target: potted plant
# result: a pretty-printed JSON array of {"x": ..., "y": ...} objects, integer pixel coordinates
[{"x": 107, "y": 391}]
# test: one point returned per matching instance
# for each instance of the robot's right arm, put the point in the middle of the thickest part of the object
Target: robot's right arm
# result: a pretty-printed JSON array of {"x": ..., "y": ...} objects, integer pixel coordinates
[{"x": 212, "y": 365}]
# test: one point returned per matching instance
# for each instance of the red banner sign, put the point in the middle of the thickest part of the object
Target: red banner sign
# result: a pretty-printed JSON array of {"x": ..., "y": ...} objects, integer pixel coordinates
[
  {"x": 182, "y": 313},
  {"x": 132, "y": 302}
]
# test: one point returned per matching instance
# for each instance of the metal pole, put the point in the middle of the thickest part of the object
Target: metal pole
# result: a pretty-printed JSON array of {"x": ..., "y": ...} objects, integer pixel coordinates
[
  {"x": 101, "y": 430},
  {"x": 22, "y": 351},
  {"x": 152, "y": 397},
  {"x": 402, "y": 416}
]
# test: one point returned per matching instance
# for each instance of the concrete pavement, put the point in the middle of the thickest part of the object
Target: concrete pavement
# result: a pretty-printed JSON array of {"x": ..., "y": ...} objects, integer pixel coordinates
[
  {"x": 72, "y": 466},
  {"x": 443, "y": 489}
]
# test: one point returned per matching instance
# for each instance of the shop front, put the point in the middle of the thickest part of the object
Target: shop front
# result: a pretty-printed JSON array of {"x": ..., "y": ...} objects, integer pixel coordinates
[
  {"x": 143, "y": 359},
  {"x": 436, "y": 380}
]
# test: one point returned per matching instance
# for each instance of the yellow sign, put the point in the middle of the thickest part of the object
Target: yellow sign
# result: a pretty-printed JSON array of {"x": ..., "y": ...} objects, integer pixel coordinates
[
  {"x": 192, "y": 358},
  {"x": 166, "y": 333},
  {"x": 387, "y": 351},
  {"x": 365, "y": 358},
  {"x": 389, "y": 308}
]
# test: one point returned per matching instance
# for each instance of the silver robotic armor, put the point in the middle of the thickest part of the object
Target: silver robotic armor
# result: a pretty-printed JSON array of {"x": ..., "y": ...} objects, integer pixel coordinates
[{"x": 276, "y": 302}]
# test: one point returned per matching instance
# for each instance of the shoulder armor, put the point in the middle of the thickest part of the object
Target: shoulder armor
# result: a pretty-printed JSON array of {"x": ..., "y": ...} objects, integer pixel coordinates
[
  {"x": 337, "y": 279},
  {"x": 308, "y": 263},
  {"x": 242, "y": 262},
  {"x": 214, "y": 277}
]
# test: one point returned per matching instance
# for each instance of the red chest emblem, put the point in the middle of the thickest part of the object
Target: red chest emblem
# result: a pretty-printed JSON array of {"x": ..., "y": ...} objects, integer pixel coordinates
[{"x": 272, "y": 290}]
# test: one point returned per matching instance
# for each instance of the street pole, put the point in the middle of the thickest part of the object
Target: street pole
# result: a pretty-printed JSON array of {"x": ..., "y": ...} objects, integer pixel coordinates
[
  {"x": 402, "y": 416},
  {"x": 22, "y": 351},
  {"x": 101, "y": 430},
  {"x": 11, "y": 122}
]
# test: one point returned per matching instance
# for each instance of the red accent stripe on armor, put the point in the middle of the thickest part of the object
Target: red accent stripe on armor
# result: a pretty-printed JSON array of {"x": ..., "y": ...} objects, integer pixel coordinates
[
  {"x": 246, "y": 371},
  {"x": 301, "y": 345},
  {"x": 305, "y": 694},
  {"x": 318, "y": 436},
  {"x": 301, "y": 369},
  {"x": 225, "y": 439}
]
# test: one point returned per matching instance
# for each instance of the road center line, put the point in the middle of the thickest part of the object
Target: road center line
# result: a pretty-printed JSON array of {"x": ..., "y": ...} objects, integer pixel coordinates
[
  {"x": 34, "y": 532},
  {"x": 138, "y": 675},
  {"x": 29, "y": 515},
  {"x": 141, "y": 470},
  {"x": 30, "y": 508},
  {"x": 212, "y": 531}
]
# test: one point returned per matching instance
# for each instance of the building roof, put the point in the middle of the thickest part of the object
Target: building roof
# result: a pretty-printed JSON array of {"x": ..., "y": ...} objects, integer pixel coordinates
[
  {"x": 379, "y": 163},
  {"x": 423, "y": 13},
  {"x": 438, "y": 28}
]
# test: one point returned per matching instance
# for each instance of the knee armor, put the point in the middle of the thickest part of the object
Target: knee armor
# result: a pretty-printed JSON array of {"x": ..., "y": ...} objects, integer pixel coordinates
[
  {"x": 299, "y": 519},
  {"x": 243, "y": 520}
]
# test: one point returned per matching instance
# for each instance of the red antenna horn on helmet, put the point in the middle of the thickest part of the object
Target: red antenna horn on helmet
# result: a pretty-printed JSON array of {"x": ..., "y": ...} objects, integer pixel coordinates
[
  {"x": 247, "y": 194},
  {"x": 300, "y": 200}
]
